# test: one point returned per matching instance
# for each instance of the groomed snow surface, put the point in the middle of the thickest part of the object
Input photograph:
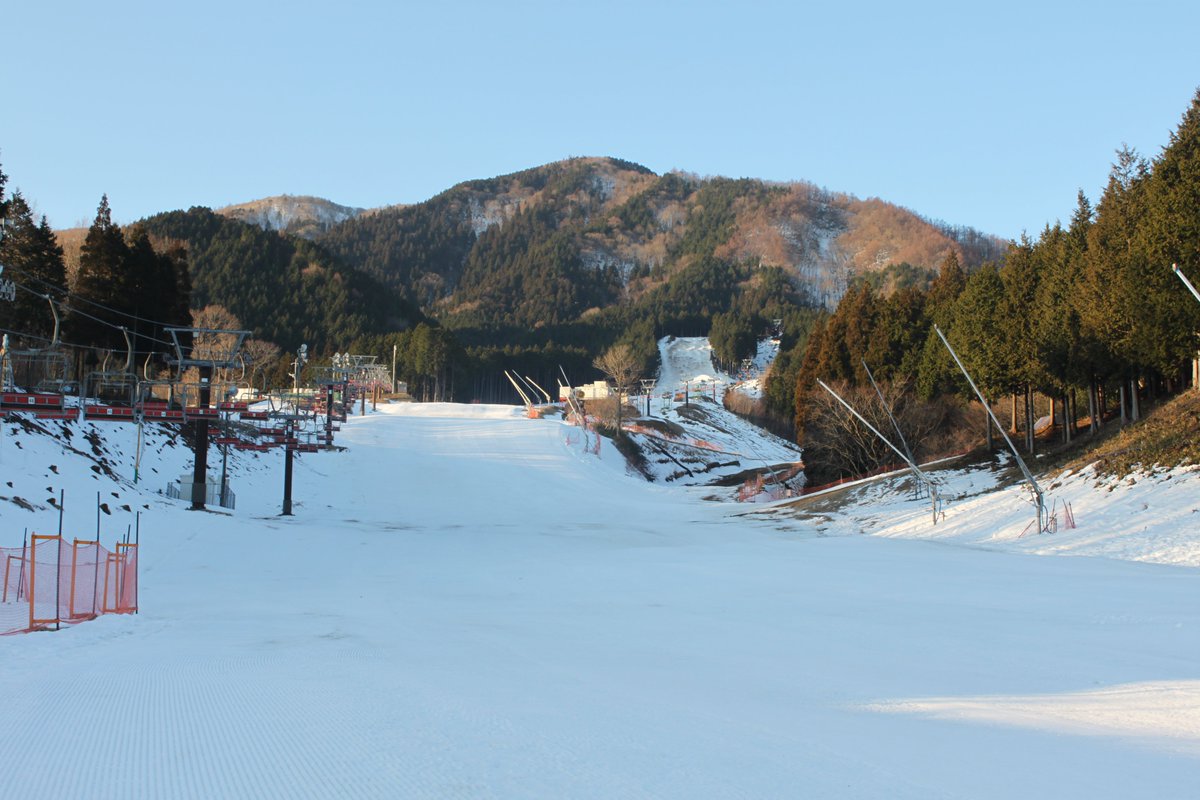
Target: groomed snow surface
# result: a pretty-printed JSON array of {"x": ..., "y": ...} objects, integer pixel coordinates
[{"x": 467, "y": 604}]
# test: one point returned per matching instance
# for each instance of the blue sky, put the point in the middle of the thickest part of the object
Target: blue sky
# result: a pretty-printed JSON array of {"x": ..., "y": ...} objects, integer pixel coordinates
[{"x": 990, "y": 117}]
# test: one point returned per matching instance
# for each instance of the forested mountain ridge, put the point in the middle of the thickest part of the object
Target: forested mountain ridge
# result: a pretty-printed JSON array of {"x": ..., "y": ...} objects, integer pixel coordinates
[
  {"x": 286, "y": 289},
  {"x": 583, "y": 242},
  {"x": 548, "y": 267},
  {"x": 544, "y": 245}
]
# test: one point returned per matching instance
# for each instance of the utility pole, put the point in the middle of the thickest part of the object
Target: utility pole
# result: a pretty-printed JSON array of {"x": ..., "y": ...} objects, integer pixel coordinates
[
  {"x": 329, "y": 415},
  {"x": 224, "y": 473},
  {"x": 648, "y": 388},
  {"x": 4, "y": 382},
  {"x": 393, "y": 369}
]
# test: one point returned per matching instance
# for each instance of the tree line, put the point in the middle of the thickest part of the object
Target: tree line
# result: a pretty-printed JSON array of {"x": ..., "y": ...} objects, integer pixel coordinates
[
  {"x": 1087, "y": 314},
  {"x": 124, "y": 285}
]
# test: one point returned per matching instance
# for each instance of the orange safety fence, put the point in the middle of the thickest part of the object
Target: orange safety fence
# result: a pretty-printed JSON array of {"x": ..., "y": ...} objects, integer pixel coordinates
[{"x": 51, "y": 582}]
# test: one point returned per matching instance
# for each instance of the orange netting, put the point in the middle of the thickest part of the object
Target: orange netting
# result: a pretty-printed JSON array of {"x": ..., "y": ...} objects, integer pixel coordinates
[{"x": 50, "y": 581}]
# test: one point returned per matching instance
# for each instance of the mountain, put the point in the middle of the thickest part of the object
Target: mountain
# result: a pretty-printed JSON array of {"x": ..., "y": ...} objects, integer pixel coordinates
[
  {"x": 286, "y": 289},
  {"x": 573, "y": 254},
  {"x": 549, "y": 244},
  {"x": 303, "y": 216}
]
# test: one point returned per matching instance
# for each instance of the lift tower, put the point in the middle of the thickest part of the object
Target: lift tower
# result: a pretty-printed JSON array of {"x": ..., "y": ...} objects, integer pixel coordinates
[{"x": 208, "y": 350}]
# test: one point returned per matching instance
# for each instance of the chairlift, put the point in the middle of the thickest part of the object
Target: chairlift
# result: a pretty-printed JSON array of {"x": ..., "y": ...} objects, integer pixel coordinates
[
  {"x": 40, "y": 370},
  {"x": 158, "y": 401},
  {"x": 108, "y": 389}
]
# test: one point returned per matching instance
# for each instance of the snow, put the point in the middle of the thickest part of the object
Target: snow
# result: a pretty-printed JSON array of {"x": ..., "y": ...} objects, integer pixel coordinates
[
  {"x": 716, "y": 443},
  {"x": 1149, "y": 517},
  {"x": 753, "y": 383},
  {"x": 467, "y": 604},
  {"x": 686, "y": 359}
]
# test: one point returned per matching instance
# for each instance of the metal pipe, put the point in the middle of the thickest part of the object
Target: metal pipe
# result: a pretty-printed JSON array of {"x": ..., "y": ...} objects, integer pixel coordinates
[
  {"x": 883, "y": 403},
  {"x": 1175, "y": 268},
  {"x": 917, "y": 473},
  {"x": 1037, "y": 490}
]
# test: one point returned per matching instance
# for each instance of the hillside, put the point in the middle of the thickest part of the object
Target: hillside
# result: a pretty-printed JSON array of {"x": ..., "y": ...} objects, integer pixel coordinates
[
  {"x": 71, "y": 241},
  {"x": 594, "y": 232},
  {"x": 284, "y": 288},
  {"x": 1169, "y": 436}
]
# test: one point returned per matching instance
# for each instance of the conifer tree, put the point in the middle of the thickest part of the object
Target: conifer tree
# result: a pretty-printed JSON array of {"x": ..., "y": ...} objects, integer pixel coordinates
[
  {"x": 901, "y": 326},
  {"x": 146, "y": 291},
  {"x": 1171, "y": 235},
  {"x": 981, "y": 332},
  {"x": 810, "y": 370},
  {"x": 102, "y": 284},
  {"x": 1092, "y": 357},
  {"x": 159, "y": 294},
  {"x": 936, "y": 372},
  {"x": 1111, "y": 289},
  {"x": 34, "y": 261},
  {"x": 946, "y": 287}
]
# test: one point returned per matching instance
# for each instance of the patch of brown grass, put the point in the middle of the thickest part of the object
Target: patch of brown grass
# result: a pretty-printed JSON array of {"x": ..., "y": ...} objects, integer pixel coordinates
[{"x": 1168, "y": 436}]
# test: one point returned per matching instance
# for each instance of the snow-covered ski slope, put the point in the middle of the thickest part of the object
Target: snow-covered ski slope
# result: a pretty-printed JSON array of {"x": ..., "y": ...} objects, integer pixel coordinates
[
  {"x": 467, "y": 604},
  {"x": 714, "y": 443}
]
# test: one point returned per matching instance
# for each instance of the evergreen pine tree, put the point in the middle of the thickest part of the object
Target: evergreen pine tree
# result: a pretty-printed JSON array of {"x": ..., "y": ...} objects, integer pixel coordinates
[
  {"x": 1111, "y": 294},
  {"x": 901, "y": 326},
  {"x": 936, "y": 372},
  {"x": 102, "y": 284},
  {"x": 981, "y": 333},
  {"x": 810, "y": 371},
  {"x": 34, "y": 261},
  {"x": 146, "y": 288},
  {"x": 946, "y": 287},
  {"x": 1171, "y": 235}
]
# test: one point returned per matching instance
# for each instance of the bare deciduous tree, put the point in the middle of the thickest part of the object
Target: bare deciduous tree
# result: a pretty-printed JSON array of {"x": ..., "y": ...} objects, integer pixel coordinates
[
  {"x": 622, "y": 367},
  {"x": 214, "y": 346},
  {"x": 260, "y": 357},
  {"x": 838, "y": 444}
]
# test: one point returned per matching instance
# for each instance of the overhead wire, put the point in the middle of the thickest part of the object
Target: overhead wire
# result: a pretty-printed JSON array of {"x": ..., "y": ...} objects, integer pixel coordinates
[
  {"x": 69, "y": 294},
  {"x": 82, "y": 313}
]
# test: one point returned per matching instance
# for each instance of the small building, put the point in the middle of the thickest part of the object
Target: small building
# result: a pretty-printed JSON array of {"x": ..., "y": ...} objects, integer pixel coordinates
[
  {"x": 182, "y": 489},
  {"x": 597, "y": 390}
]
